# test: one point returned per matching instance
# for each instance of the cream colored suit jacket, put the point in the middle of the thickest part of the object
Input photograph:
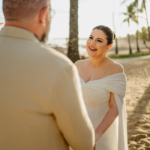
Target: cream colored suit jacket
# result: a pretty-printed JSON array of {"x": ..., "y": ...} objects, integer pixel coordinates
[{"x": 41, "y": 106}]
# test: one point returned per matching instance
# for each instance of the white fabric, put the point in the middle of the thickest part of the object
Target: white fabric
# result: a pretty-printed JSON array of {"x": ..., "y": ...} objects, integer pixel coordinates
[{"x": 96, "y": 96}]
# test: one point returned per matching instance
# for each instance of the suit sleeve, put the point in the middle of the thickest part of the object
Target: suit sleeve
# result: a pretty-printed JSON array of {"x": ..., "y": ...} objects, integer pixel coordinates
[{"x": 70, "y": 112}]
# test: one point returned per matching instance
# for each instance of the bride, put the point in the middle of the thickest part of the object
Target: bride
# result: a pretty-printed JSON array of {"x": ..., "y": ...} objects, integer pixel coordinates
[{"x": 104, "y": 85}]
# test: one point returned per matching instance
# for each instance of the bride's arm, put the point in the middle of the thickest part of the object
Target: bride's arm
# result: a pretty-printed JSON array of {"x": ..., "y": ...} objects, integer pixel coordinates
[{"x": 108, "y": 119}]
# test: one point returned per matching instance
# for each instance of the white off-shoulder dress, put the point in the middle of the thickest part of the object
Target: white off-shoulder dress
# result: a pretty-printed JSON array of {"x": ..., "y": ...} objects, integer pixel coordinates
[{"x": 96, "y": 95}]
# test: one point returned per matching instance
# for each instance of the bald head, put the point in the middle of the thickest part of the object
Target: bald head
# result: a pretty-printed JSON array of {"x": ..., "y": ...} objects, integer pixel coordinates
[{"x": 17, "y": 10}]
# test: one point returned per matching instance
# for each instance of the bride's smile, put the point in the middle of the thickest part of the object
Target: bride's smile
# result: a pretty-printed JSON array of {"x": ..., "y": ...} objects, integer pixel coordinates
[
  {"x": 97, "y": 44},
  {"x": 92, "y": 48}
]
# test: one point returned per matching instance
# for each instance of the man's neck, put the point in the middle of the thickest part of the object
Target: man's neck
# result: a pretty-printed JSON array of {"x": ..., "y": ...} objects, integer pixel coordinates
[
  {"x": 16, "y": 24},
  {"x": 20, "y": 25}
]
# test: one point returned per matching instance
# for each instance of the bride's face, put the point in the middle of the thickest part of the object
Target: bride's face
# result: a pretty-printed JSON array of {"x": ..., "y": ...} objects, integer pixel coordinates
[{"x": 97, "y": 44}]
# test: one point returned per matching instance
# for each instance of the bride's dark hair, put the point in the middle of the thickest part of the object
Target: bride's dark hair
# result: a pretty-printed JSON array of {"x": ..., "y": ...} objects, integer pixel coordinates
[{"x": 110, "y": 34}]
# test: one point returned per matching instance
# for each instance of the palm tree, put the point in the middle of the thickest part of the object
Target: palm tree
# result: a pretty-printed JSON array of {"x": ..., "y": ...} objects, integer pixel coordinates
[
  {"x": 130, "y": 15},
  {"x": 136, "y": 5},
  {"x": 73, "y": 52},
  {"x": 143, "y": 7},
  {"x": 137, "y": 41},
  {"x": 144, "y": 37}
]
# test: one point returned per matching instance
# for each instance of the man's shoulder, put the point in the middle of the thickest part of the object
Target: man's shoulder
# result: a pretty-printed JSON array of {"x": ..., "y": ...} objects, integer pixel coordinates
[{"x": 53, "y": 56}]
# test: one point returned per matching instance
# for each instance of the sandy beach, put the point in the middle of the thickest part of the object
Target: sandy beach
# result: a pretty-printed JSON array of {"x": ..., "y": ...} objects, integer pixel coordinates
[
  {"x": 137, "y": 100},
  {"x": 138, "y": 103}
]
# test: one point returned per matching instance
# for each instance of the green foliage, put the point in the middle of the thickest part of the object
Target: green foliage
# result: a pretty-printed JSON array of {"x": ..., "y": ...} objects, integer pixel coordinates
[
  {"x": 129, "y": 56},
  {"x": 130, "y": 14},
  {"x": 144, "y": 34}
]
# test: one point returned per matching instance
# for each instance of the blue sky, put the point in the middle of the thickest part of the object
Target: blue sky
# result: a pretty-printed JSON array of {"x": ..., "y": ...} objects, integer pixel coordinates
[{"x": 91, "y": 14}]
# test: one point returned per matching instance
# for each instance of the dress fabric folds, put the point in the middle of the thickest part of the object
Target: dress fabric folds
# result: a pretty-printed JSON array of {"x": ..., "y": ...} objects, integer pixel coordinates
[{"x": 96, "y": 95}]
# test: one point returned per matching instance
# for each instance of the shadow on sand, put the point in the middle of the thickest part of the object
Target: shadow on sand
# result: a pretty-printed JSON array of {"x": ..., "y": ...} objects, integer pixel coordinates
[{"x": 139, "y": 121}]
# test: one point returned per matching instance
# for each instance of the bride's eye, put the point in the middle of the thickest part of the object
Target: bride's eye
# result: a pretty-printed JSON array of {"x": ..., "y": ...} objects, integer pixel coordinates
[
  {"x": 90, "y": 37},
  {"x": 99, "y": 41}
]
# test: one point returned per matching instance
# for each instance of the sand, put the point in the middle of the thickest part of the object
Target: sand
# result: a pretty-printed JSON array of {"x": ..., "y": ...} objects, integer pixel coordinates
[
  {"x": 137, "y": 100},
  {"x": 138, "y": 104}
]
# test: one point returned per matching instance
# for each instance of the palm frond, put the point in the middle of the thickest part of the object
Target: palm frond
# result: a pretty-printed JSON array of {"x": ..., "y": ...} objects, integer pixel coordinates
[
  {"x": 135, "y": 3},
  {"x": 123, "y": 2},
  {"x": 126, "y": 14},
  {"x": 125, "y": 20},
  {"x": 135, "y": 20},
  {"x": 143, "y": 4},
  {"x": 142, "y": 17},
  {"x": 140, "y": 10}
]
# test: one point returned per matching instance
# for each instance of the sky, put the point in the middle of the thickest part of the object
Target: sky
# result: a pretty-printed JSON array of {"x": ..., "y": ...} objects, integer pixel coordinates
[{"x": 91, "y": 13}]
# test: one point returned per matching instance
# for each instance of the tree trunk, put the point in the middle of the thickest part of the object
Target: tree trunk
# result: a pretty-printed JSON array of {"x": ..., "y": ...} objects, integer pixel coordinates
[
  {"x": 147, "y": 19},
  {"x": 137, "y": 33},
  {"x": 116, "y": 45},
  {"x": 73, "y": 52},
  {"x": 146, "y": 45},
  {"x": 137, "y": 41},
  {"x": 116, "y": 40},
  {"x": 130, "y": 49}
]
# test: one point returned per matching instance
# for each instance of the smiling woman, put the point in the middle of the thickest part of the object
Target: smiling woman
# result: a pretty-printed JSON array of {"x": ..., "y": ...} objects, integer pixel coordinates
[
  {"x": 101, "y": 38},
  {"x": 103, "y": 85}
]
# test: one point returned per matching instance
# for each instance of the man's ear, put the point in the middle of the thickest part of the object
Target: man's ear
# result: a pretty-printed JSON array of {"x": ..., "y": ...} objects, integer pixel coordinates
[
  {"x": 109, "y": 47},
  {"x": 42, "y": 16}
]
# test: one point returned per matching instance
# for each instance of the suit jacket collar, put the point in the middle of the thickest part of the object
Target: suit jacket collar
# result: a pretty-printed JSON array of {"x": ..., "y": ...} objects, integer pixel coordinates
[{"x": 16, "y": 32}]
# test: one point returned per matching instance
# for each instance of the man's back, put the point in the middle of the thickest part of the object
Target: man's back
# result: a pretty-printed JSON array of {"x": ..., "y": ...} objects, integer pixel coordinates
[{"x": 37, "y": 95}]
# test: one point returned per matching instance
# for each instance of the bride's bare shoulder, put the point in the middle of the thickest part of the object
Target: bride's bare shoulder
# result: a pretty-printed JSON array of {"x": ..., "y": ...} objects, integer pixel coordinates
[
  {"x": 116, "y": 67},
  {"x": 80, "y": 63}
]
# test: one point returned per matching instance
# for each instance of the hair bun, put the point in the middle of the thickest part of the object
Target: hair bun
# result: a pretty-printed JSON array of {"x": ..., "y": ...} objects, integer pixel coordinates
[{"x": 114, "y": 36}]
